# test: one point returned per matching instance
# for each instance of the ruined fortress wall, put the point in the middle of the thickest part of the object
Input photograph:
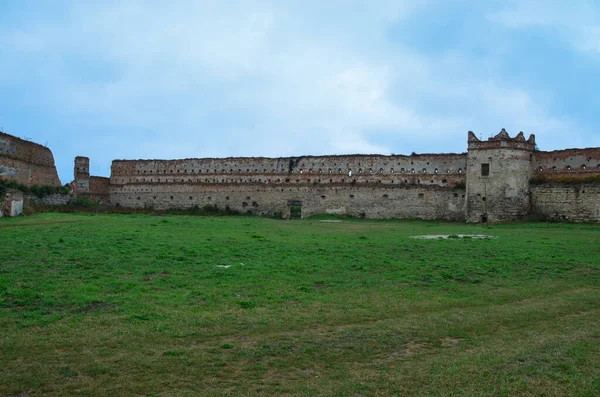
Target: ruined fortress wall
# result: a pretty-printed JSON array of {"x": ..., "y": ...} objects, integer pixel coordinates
[
  {"x": 374, "y": 186},
  {"x": 576, "y": 203},
  {"x": 442, "y": 170},
  {"x": 498, "y": 175},
  {"x": 26, "y": 162},
  {"x": 368, "y": 200},
  {"x": 98, "y": 189},
  {"x": 572, "y": 163}
]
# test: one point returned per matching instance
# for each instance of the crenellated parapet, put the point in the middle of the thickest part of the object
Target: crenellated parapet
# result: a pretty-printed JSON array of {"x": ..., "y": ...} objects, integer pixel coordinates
[
  {"x": 502, "y": 140},
  {"x": 498, "y": 174}
]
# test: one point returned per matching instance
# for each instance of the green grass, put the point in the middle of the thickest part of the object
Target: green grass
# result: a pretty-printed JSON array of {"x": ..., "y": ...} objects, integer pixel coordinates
[{"x": 140, "y": 305}]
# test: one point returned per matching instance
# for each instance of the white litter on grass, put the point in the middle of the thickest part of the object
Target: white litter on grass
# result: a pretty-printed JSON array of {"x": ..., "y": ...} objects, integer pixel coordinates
[
  {"x": 224, "y": 266},
  {"x": 435, "y": 236}
]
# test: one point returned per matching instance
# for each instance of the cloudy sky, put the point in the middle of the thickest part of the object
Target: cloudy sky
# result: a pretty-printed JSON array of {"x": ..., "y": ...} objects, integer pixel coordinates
[{"x": 129, "y": 79}]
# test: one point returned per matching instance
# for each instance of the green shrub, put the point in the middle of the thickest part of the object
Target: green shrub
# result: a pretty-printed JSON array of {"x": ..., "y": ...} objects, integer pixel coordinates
[{"x": 38, "y": 191}]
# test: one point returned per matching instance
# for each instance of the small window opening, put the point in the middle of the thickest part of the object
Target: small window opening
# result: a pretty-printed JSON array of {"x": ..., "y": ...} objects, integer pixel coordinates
[{"x": 485, "y": 169}]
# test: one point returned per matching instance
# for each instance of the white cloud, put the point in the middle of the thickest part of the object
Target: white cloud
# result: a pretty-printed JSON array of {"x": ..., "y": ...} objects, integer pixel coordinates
[{"x": 221, "y": 78}]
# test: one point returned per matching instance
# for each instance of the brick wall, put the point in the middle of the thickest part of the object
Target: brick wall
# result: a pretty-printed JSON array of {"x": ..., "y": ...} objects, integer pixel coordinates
[
  {"x": 576, "y": 203},
  {"x": 26, "y": 162}
]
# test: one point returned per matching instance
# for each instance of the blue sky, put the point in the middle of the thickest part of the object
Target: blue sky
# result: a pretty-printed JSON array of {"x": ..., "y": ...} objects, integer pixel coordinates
[{"x": 130, "y": 79}]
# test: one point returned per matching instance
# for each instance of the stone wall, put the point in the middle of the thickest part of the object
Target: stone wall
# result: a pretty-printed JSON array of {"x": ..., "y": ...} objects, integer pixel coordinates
[
  {"x": 11, "y": 204},
  {"x": 569, "y": 163},
  {"x": 99, "y": 187},
  {"x": 438, "y": 169},
  {"x": 52, "y": 199},
  {"x": 367, "y": 200},
  {"x": 575, "y": 203},
  {"x": 373, "y": 186},
  {"x": 498, "y": 175},
  {"x": 491, "y": 182},
  {"x": 26, "y": 162},
  {"x": 81, "y": 175}
]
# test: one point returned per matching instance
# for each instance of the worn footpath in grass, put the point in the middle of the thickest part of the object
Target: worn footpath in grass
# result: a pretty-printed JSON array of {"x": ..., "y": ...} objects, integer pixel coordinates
[{"x": 178, "y": 305}]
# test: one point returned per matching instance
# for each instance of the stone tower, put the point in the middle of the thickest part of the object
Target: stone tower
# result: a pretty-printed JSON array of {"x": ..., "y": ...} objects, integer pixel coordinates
[
  {"x": 498, "y": 174},
  {"x": 81, "y": 173}
]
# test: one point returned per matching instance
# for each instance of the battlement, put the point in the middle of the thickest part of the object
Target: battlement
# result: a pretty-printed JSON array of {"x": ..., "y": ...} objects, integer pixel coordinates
[{"x": 502, "y": 140}]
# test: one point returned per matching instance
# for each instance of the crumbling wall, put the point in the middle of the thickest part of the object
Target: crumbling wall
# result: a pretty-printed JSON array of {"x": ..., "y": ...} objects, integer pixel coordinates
[
  {"x": 86, "y": 186},
  {"x": 26, "y": 162},
  {"x": 575, "y": 203},
  {"x": 99, "y": 187},
  {"x": 566, "y": 164},
  {"x": 81, "y": 175},
  {"x": 498, "y": 175},
  {"x": 374, "y": 186},
  {"x": 370, "y": 201},
  {"x": 444, "y": 170},
  {"x": 11, "y": 203}
]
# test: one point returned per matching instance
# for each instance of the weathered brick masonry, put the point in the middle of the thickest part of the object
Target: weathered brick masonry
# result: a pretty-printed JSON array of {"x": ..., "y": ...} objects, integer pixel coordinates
[
  {"x": 374, "y": 186},
  {"x": 498, "y": 179},
  {"x": 26, "y": 162},
  {"x": 491, "y": 182}
]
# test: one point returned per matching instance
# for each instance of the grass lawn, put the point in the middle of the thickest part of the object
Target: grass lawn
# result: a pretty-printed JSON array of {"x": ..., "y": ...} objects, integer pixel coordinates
[{"x": 140, "y": 305}]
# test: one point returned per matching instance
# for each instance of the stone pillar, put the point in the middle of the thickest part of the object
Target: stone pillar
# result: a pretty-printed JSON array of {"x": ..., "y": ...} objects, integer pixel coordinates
[{"x": 81, "y": 173}]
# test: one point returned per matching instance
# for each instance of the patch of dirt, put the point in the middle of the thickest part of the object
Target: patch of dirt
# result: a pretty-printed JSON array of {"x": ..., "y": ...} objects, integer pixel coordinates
[
  {"x": 450, "y": 236},
  {"x": 450, "y": 342},
  {"x": 408, "y": 350},
  {"x": 155, "y": 275}
]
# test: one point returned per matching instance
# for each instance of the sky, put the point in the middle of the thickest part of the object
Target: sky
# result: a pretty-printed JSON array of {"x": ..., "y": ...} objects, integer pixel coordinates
[{"x": 132, "y": 79}]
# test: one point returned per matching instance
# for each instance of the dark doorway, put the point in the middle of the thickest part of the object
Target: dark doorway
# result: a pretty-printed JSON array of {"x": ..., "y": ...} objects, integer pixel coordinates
[
  {"x": 484, "y": 218},
  {"x": 295, "y": 209}
]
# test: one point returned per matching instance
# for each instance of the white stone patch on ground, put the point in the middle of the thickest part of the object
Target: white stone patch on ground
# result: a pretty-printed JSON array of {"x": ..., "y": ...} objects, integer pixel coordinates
[{"x": 434, "y": 236}]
